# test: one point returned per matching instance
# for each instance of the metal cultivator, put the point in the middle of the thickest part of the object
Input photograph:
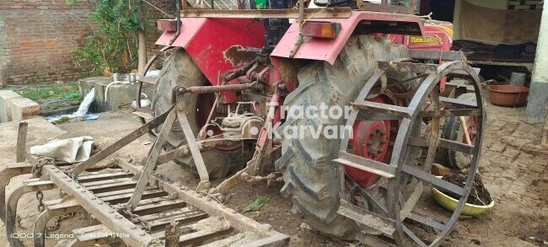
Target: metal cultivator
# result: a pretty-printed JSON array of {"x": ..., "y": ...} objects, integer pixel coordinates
[{"x": 131, "y": 206}]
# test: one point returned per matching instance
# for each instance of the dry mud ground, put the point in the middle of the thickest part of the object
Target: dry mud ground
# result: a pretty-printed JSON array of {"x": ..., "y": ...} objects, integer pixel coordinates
[{"x": 514, "y": 170}]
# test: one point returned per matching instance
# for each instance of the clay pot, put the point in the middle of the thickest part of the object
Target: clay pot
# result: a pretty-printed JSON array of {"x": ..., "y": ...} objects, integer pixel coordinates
[{"x": 508, "y": 95}]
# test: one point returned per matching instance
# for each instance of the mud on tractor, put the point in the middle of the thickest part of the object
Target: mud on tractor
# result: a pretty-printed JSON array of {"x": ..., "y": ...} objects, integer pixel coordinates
[{"x": 259, "y": 95}]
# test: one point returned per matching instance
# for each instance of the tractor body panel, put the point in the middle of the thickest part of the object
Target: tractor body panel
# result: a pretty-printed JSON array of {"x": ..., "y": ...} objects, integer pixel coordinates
[
  {"x": 328, "y": 49},
  {"x": 218, "y": 45}
]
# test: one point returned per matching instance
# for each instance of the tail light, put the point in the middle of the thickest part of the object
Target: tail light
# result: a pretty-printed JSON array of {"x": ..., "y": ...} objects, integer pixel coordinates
[{"x": 326, "y": 30}]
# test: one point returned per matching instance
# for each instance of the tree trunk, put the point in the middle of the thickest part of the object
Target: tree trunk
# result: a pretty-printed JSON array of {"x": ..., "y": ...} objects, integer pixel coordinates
[{"x": 142, "y": 52}]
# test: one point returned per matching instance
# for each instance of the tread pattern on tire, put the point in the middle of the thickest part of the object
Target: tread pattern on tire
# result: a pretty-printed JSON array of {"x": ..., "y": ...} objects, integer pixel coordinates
[
  {"x": 180, "y": 70},
  {"x": 306, "y": 163}
]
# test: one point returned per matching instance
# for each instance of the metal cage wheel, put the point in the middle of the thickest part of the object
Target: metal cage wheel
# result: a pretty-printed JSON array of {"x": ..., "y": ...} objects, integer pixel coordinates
[{"x": 405, "y": 173}]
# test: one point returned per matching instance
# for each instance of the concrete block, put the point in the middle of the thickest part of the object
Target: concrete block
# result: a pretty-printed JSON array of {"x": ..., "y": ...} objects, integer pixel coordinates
[
  {"x": 5, "y": 115},
  {"x": 119, "y": 95},
  {"x": 22, "y": 108}
]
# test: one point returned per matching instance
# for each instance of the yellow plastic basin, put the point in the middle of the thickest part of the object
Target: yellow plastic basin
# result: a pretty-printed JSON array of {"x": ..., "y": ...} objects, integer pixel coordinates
[{"x": 451, "y": 204}]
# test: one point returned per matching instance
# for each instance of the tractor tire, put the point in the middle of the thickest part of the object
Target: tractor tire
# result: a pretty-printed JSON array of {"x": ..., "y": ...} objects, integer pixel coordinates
[
  {"x": 452, "y": 130},
  {"x": 180, "y": 70},
  {"x": 310, "y": 176}
]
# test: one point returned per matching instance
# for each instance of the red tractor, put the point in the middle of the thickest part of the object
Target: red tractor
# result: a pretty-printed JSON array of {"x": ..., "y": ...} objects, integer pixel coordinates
[
  {"x": 344, "y": 104},
  {"x": 253, "y": 86}
]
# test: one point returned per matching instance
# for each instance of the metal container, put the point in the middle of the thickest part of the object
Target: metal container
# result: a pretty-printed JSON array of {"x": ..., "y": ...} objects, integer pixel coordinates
[
  {"x": 115, "y": 77},
  {"x": 508, "y": 95},
  {"x": 132, "y": 78}
]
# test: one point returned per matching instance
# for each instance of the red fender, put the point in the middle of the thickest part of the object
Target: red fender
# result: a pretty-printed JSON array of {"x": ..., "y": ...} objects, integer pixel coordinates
[
  {"x": 328, "y": 49},
  {"x": 217, "y": 45}
]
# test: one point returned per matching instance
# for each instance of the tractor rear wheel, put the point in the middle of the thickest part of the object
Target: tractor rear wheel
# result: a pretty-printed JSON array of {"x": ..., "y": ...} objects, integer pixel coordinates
[
  {"x": 180, "y": 70},
  {"x": 310, "y": 176}
]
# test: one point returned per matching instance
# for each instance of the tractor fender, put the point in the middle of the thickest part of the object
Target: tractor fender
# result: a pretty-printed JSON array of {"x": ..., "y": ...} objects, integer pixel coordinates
[
  {"x": 360, "y": 22},
  {"x": 217, "y": 44}
]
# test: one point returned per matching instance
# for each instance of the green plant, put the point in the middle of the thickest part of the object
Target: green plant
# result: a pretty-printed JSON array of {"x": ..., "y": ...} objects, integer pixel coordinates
[{"x": 112, "y": 45}]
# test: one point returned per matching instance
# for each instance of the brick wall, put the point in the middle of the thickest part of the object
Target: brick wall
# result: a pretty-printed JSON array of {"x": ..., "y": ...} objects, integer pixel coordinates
[
  {"x": 152, "y": 14},
  {"x": 37, "y": 39}
]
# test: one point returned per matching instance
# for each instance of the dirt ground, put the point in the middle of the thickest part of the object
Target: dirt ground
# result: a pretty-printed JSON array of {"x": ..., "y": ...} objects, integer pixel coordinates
[{"x": 513, "y": 168}]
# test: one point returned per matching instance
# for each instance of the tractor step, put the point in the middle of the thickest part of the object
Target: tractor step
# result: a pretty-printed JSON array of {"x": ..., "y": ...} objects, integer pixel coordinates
[{"x": 194, "y": 218}]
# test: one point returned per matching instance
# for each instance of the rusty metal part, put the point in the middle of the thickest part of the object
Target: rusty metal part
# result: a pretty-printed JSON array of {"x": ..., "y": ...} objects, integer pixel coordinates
[
  {"x": 323, "y": 13},
  {"x": 391, "y": 209},
  {"x": 164, "y": 205},
  {"x": 299, "y": 40},
  {"x": 231, "y": 56},
  {"x": 436, "y": 55},
  {"x": 21, "y": 141},
  {"x": 152, "y": 160},
  {"x": 204, "y": 184},
  {"x": 215, "y": 89}
]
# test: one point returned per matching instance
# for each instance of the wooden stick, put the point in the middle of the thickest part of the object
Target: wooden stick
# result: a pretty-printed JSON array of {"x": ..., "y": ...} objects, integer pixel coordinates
[
  {"x": 465, "y": 129},
  {"x": 21, "y": 141}
]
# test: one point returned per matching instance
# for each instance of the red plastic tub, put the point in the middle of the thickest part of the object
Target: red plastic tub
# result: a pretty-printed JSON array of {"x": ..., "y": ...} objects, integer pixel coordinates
[{"x": 508, "y": 95}]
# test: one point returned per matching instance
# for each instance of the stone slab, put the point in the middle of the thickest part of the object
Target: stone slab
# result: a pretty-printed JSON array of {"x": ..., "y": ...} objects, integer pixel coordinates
[
  {"x": 22, "y": 108},
  {"x": 5, "y": 113},
  {"x": 119, "y": 95}
]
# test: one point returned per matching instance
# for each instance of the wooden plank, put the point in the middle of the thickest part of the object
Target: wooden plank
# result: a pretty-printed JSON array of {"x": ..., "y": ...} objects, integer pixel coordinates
[{"x": 364, "y": 164}]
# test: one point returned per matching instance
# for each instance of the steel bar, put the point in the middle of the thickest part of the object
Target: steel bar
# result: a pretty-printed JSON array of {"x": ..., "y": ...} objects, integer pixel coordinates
[
  {"x": 152, "y": 160},
  {"x": 312, "y": 13},
  {"x": 376, "y": 167},
  {"x": 21, "y": 141},
  {"x": 429, "y": 178},
  {"x": 444, "y": 143},
  {"x": 426, "y": 221},
  {"x": 215, "y": 89},
  {"x": 408, "y": 67},
  {"x": 450, "y": 112},
  {"x": 436, "y": 55},
  {"x": 204, "y": 184},
  {"x": 101, "y": 211},
  {"x": 399, "y": 111},
  {"x": 78, "y": 168}
]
